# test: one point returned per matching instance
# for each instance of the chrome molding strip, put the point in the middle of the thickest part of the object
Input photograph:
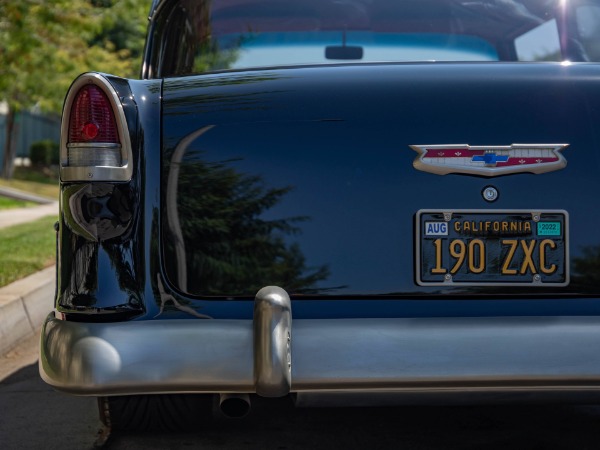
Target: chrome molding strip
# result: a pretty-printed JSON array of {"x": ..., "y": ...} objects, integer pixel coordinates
[
  {"x": 95, "y": 173},
  {"x": 344, "y": 355}
]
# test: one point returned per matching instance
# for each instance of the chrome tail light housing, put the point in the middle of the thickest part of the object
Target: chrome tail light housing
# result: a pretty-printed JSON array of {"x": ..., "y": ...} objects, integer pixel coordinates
[{"x": 95, "y": 140}]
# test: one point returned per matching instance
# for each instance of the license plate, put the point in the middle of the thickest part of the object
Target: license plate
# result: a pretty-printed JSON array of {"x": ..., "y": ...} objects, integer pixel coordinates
[{"x": 492, "y": 248}]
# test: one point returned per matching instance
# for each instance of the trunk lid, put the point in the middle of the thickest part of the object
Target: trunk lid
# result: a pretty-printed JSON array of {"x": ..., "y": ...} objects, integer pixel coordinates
[{"x": 304, "y": 178}]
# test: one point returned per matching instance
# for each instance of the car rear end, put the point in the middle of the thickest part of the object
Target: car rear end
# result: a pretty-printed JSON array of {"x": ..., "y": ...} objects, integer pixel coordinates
[{"x": 347, "y": 231}]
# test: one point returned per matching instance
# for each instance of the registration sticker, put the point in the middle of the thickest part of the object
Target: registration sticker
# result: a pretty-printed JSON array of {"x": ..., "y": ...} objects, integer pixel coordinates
[
  {"x": 436, "y": 229},
  {"x": 548, "y": 228}
]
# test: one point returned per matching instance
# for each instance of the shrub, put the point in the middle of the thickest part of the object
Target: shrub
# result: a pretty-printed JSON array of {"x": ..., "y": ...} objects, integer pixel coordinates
[{"x": 44, "y": 153}]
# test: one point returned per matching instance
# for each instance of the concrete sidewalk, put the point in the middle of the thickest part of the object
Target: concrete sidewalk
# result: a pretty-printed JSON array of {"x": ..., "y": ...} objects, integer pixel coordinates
[
  {"x": 16, "y": 216},
  {"x": 25, "y": 303}
]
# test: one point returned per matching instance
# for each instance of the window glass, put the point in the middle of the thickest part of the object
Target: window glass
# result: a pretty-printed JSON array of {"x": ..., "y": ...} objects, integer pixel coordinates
[
  {"x": 588, "y": 26},
  {"x": 309, "y": 48},
  {"x": 194, "y": 36},
  {"x": 539, "y": 44}
]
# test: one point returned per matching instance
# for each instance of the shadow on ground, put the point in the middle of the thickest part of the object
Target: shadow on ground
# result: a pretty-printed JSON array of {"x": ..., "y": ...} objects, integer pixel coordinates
[{"x": 35, "y": 416}]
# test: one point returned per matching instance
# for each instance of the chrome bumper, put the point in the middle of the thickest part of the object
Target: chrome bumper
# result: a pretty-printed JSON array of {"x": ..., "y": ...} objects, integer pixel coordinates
[{"x": 324, "y": 358}]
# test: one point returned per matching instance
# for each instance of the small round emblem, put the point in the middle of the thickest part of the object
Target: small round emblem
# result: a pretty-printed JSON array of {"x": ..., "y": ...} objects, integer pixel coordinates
[{"x": 490, "y": 194}]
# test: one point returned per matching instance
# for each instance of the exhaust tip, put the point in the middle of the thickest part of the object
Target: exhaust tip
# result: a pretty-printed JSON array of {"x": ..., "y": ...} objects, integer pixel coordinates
[{"x": 234, "y": 406}]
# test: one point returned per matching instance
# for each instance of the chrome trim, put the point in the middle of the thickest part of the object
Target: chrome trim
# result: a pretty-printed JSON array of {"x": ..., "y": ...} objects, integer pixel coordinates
[
  {"x": 420, "y": 355},
  {"x": 148, "y": 356},
  {"x": 449, "y": 212},
  {"x": 96, "y": 156},
  {"x": 272, "y": 342},
  {"x": 96, "y": 173},
  {"x": 429, "y": 164},
  {"x": 95, "y": 145}
]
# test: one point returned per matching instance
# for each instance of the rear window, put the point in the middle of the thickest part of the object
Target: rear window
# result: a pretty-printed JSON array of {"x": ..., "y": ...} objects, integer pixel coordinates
[{"x": 195, "y": 36}]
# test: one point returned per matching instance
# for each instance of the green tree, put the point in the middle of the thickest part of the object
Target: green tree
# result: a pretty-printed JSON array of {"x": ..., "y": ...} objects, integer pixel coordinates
[
  {"x": 45, "y": 44},
  {"x": 123, "y": 29}
]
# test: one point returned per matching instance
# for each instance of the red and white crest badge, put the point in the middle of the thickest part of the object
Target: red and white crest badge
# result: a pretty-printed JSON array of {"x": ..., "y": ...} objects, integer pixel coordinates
[{"x": 489, "y": 161}]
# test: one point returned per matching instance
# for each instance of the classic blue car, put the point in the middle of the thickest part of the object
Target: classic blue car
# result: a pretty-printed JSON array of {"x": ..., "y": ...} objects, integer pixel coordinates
[{"x": 413, "y": 181}]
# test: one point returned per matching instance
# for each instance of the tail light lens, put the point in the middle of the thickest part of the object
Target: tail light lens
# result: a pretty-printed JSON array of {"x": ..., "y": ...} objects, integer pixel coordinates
[{"x": 95, "y": 140}]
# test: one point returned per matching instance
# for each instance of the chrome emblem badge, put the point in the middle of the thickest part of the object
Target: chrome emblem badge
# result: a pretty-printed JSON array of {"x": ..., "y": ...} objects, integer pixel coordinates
[{"x": 489, "y": 161}]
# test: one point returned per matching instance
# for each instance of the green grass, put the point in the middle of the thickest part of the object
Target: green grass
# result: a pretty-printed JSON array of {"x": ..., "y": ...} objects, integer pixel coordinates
[
  {"x": 44, "y": 176},
  {"x": 9, "y": 203},
  {"x": 32, "y": 181},
  {"x": 26, "y": 249}
]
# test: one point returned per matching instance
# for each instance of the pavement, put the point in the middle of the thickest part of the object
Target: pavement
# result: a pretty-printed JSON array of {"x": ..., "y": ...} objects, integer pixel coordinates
[{"x": 25, "y": 303}]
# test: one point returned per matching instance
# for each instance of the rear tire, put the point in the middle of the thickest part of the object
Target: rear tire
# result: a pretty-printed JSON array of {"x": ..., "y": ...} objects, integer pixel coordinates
[{"x": 164, "y": 412}]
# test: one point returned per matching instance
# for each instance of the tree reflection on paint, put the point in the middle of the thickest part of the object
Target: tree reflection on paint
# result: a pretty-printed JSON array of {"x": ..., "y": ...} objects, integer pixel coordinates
[
  {"x": 586, "y": 268},
  {"x": 229, "y": 248}
]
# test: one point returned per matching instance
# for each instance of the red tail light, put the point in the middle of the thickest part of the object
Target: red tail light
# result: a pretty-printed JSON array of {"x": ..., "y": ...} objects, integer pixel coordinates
[
  {"x": 95, "y": 140},
  {"x": 92, "y": 119}
]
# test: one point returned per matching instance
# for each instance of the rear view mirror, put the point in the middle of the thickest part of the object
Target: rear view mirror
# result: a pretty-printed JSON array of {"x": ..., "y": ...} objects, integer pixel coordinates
[{"x": 343, "y": 52}]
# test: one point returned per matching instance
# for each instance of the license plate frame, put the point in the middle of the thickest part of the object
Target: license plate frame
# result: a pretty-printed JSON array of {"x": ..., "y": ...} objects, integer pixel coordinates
[{"x": 520, "y": 247}]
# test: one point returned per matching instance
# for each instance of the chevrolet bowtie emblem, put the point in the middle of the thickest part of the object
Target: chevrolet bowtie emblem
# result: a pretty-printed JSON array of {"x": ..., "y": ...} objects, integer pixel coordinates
[{"x": 489, "y": 161}]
